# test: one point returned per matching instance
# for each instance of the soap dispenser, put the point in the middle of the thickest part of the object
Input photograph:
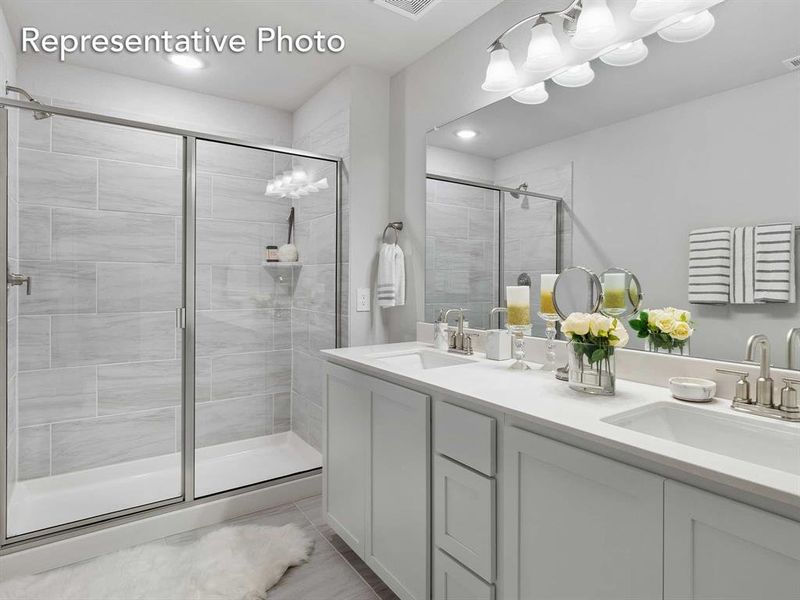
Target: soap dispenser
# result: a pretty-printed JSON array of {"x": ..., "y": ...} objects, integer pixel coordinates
[{"x": 440, "y": 337}]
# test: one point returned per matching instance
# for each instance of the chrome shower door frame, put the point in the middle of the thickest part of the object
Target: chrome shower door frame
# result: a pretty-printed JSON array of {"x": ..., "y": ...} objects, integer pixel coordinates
[{"x": 185, "y": 320}]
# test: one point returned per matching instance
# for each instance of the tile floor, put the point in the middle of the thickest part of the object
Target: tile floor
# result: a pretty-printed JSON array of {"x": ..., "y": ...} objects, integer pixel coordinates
[{"x": 333, "y": 572}]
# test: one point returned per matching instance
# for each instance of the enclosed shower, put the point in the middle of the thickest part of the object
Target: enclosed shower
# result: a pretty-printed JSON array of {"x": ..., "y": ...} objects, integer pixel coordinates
[{"x": 155, "y": 357}]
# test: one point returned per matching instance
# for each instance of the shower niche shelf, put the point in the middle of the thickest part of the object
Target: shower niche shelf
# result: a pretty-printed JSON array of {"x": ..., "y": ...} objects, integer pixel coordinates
[{"x": 282, "y": 268}]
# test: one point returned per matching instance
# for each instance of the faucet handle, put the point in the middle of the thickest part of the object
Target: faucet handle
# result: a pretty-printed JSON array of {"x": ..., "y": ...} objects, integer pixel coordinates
[
  {"x": 742, "y": 390},
  {"x": 789, "y": 402}
]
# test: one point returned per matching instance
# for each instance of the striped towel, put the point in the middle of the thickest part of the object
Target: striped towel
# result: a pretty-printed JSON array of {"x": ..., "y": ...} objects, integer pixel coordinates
[
  {"x": 774, "y": 258},
  {"x": 743, "y": 267},
  {"x": 710, "y": 265},
  {"x": 391, "y": 290}
]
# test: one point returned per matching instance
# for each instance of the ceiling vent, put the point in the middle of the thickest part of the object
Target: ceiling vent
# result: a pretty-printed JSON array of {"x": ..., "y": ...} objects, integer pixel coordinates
[
  {"x": 792, "y": 63},
  {"x": 413, "y": 9}
]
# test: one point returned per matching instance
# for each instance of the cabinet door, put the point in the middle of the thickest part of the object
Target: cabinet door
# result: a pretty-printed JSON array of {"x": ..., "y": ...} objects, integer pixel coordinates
[
  {"x": 347, "y": 409},
  {"x": 576, "y": 525},
  {"x": 715, "y": 548},
  {"x": 399, "y": 539},
  {"x": 452, "y": 581}
]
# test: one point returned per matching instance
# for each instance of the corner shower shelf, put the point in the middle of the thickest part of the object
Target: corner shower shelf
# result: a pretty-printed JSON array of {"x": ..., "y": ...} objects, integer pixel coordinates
[{"x": 282, "y": 268}]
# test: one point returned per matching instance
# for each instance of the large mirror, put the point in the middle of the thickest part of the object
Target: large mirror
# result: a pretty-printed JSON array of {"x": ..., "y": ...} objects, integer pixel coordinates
[{"x": 683, "y": 169}]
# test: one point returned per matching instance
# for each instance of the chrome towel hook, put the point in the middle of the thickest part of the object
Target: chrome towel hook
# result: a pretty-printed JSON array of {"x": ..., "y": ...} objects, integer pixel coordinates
[{"x": 397, "y": 227}]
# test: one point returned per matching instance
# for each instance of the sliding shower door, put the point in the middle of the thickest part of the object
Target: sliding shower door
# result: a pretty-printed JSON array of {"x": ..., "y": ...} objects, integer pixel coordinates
[
  {"x": 95, "y": 222},
  {"x": 255, "y": 369}
]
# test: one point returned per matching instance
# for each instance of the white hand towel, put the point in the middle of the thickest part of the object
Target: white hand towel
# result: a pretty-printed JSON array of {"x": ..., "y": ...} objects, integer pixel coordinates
[
  {"x": 743, "y": 268},
  {"x": 391, "y": 287},
  {"x": 774, "y": 258},
  {"x": 710, "y": 265}
]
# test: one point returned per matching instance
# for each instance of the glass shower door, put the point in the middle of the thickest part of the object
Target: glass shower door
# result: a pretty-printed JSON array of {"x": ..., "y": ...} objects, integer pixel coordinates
[{"x": 95, "y": 219}]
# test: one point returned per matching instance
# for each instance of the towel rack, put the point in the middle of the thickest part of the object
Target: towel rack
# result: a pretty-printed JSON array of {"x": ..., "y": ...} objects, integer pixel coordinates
[{"x": 397, "y": 227}]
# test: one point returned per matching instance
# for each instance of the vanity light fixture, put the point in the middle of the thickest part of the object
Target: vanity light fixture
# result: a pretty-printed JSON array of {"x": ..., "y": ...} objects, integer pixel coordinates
[
  {"x": 626, "y": 55},
  {"x": 533, "y": 94},
  {"x": 466, "y": 134},
  {"x": 577, "y": 76},
  {"x": 544, "y": 51},
  {"x": 656, "y": 10},
  {"x": 501, "y": 74},
  {"x": 590, "y": 25},
  {"x": 690, "y": 28},
  {"x": 595, "y": 27},
  {"x": 186, "y": 61}
]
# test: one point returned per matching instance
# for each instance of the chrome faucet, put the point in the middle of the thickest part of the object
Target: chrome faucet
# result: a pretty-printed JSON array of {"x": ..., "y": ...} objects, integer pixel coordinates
[
  {"x": 794, "y": 332},
  {"x": 460, "y": 342},
  {"x": 764, "y": 382},
  {"x": 496, "y": 311},
  {"x": 786, "y": 406}
]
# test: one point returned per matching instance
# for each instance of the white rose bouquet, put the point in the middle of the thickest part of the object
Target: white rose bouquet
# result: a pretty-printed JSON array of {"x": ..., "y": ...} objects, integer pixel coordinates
[
  {"x": 594, "y": 336},
  {"x": 664, "y": 328}
]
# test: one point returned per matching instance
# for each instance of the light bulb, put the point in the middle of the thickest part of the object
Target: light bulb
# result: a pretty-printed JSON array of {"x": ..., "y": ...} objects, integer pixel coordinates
[
  {"x": 655, "y": 10},
  {"x": 299, "y": 175},
  {"x": 626, "y": 55},
  {"x": 595, "y": 27},
  {"x": 501, "y": 75},
  {"x": 576, "y": 76},
  {"x": 544, "y": 51},
  {"x": 186, "y": 61},
  {"x": 533, "y": 94},
  {"x": 689, "y": 28},
  {"x": 466, "y": 134}
]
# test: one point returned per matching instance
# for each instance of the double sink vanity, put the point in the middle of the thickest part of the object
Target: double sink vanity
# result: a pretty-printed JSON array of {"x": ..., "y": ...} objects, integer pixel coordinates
[{"x": 456, "y": 478}]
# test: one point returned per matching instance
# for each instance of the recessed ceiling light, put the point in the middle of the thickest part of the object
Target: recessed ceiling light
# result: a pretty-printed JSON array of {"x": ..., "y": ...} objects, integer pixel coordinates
[
  {"x": 186, "y": 61},
  {"x": 466, "y": 134}
]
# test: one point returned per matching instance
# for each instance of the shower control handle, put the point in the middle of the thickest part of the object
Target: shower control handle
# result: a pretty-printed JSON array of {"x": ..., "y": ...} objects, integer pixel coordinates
[{"x": 17, "y": 279}]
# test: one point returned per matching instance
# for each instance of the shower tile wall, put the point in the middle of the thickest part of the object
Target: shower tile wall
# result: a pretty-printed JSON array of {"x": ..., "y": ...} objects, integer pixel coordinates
[
  {"x": 100, "y": 357},
  {"x": 461, "y": 261},
  {"x": 244, "y": 309},
  {"x": 314, "y": 307}
]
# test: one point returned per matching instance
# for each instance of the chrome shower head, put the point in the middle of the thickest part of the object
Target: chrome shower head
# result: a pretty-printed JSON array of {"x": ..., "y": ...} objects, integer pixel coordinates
[
  {"x": 523, "y": 187},
  {"x": 37, "y": 114}
]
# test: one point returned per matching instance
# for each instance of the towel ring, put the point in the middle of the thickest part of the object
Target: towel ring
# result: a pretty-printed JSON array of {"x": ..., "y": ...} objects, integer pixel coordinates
[{"x": 397, "y": 227}]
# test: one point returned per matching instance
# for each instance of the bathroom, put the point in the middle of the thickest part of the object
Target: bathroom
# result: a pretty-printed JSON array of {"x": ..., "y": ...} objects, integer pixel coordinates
[{"x": 419, "y": 300}]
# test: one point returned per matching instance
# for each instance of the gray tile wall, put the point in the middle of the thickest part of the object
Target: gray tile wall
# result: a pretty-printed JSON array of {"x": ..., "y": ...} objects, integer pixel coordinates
[
  {"x": 461, "y": 250},
  {"x": 99, "y": 354},
  {"x": 314, "y": 304}
]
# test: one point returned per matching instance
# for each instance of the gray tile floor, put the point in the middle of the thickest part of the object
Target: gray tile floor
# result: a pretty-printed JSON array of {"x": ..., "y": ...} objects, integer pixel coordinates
[{"x": 333, "y": 572}]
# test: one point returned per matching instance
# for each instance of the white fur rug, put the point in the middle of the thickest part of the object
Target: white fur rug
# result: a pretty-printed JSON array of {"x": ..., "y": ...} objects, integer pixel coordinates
[{"x": 232, "y": 563}]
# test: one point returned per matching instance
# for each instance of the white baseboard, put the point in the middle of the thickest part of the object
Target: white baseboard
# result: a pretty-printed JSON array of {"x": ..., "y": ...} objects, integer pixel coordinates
[{"x": 131, "y": 533}]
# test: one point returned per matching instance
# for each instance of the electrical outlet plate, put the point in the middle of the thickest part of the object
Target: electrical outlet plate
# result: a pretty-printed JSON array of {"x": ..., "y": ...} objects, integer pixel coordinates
[{"x": 362, "y": 300}]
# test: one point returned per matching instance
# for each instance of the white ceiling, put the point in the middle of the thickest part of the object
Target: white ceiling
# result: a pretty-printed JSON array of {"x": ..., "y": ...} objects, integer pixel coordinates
[
  {"x": 749, "y": 42},
  {"x": 375, "y": 38}
]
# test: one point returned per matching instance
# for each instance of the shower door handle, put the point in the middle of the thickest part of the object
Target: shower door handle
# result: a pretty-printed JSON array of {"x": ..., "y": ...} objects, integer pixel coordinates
[{"x": 17, "y": 279}]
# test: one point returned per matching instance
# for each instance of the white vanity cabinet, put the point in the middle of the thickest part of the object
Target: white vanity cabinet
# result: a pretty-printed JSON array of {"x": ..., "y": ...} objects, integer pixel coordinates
[
  {"x": 377, "y": 474},
  {"x": 719, "y": 549},
  {"x": 577, "y": 525}
]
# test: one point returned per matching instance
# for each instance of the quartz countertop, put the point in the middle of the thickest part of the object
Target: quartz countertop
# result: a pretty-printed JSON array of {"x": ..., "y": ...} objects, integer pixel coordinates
[{"x": 552, "y": 408}]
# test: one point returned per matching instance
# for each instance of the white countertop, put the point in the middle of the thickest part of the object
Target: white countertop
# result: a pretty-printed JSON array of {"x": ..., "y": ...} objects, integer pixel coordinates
[{"x": 537, "y": 397}]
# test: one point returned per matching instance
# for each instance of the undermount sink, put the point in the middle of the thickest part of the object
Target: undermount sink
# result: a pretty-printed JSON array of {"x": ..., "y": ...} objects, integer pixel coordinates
[
  {"x": 774, "y": 445},
  {"x": 420, "y": 360}
]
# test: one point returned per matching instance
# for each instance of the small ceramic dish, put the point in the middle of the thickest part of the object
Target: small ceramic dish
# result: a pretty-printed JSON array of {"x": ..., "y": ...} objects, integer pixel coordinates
[{"x": 692, "y": 389}]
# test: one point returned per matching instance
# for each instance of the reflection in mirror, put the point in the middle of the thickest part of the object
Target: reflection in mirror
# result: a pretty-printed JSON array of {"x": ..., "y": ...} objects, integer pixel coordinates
[
  {"x": 577, "y": 289},
  {"x": 699, "y": 139},
  {"x": 622, "y": 295}
]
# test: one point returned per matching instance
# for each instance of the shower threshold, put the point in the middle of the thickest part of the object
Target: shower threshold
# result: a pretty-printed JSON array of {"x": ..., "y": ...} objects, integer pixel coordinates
[{"x": 49, "y": 501}]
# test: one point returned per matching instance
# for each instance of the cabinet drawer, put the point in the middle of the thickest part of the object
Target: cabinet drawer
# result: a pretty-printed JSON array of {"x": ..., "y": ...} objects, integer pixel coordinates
[
  {"x": 465, "y": 436},
  {"x": 464, "y": 516},
  {"x": 451, "y": 581}
]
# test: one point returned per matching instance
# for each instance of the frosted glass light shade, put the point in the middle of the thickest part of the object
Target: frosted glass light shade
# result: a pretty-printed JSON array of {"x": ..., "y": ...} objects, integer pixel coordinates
[
  {"x": 655, "y": 10},
  {"x": 533, "y": 94},
  {"x": 501, "y": 75},
  {"x": 689, "y": 28},
  {"x": 596, "y": 27},
  {"x": 626, "y": 55},
  {"x": 576, "y": 76},
  {"x": 544, "y": 51}
]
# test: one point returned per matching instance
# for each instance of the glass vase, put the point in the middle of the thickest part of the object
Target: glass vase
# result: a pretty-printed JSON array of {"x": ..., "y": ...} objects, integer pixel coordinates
[
  {"x": 678, "y": 349},
  {"x": 597, "y": 377}
]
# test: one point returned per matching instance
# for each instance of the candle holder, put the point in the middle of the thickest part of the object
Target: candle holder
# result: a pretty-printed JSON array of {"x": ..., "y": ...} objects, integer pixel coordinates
[
  {"x": 550, "y": 320},
  {"x": 519, "y": 332}
]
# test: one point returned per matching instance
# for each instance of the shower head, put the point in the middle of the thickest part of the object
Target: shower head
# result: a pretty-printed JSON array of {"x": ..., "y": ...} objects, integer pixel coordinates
[
  {"x": 37, "y": 114},
  {"x": 523, "y": 187}
]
